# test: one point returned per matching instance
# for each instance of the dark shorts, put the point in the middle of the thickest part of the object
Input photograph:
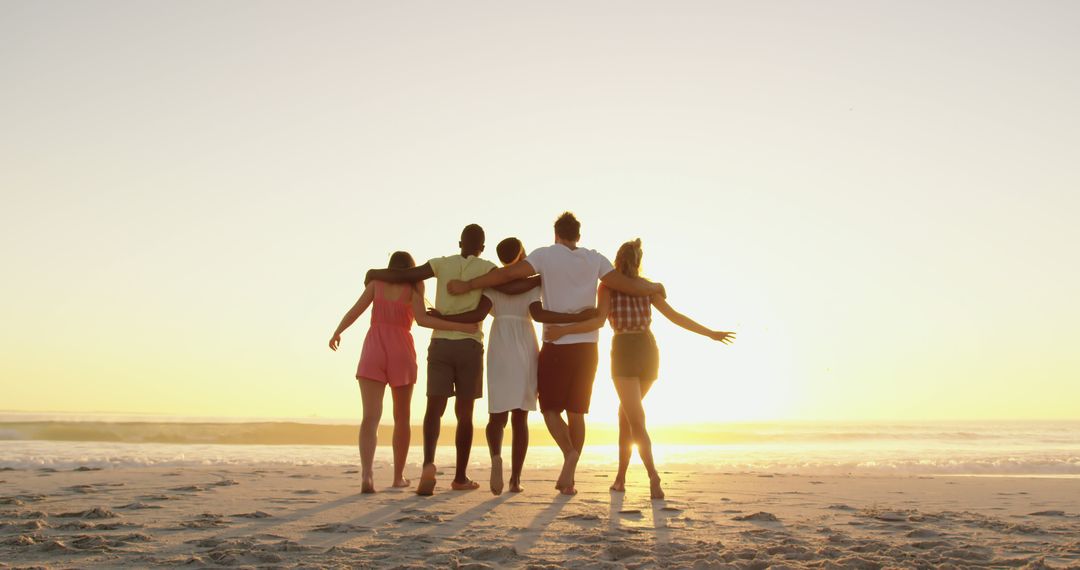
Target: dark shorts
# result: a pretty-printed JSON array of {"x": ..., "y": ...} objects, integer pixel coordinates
[
  {"x": 635, "y": 355},
  {"x": 455, "y": 368},
  {"x": 565, "y": 375}
]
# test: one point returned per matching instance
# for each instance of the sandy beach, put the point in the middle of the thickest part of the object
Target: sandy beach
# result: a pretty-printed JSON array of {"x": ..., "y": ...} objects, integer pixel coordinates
[{"x": 314, "y": 517}]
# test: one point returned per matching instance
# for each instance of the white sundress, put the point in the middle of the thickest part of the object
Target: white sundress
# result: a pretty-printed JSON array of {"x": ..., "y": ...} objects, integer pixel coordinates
[{"x": 512, "y": 352}]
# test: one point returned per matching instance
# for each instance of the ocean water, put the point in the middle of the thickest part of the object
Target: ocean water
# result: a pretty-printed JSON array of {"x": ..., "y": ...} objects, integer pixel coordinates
[{"x": 1046, "y": 449}]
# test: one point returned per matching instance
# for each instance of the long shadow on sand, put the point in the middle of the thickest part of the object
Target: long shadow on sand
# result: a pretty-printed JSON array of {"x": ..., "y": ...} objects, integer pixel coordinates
[
  {"x": 463, "y": 519},
  {"x": 264, "y": 525},
  {"x": 617, "y": 499},
  {"x": 528, "y": 537},
  {"x": 659, "y": 518},
  {"x": 397, "y": 506}
]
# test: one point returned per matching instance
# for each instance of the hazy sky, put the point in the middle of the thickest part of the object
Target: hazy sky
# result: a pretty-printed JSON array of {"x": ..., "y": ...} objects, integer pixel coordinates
[{"x": 880, "y": 197}]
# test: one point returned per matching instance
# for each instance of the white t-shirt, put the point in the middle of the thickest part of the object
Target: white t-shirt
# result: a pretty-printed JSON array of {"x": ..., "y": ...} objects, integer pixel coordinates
[{"x": 569, "y": 281}]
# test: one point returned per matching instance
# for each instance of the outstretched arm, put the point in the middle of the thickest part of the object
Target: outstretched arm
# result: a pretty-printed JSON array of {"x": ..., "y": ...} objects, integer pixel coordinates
[
  {"x": 519, "y": 270},
  {"x": 411, "y": 275},
  {"x": 603, "y": 307},
  {"x": 690, "y": 324},
  {"x": 519, "y": 286},
  {"x": 427, "y": 321},
  {"x": 542, "y": 315},
  {"x": 474, "y": 316},
  {"x": 350, "y": 317},
  {"x": 633, "y": 286}
]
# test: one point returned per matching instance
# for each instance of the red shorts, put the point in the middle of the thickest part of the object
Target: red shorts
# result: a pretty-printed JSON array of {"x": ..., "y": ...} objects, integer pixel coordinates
[{"x": 565, "y": 375}]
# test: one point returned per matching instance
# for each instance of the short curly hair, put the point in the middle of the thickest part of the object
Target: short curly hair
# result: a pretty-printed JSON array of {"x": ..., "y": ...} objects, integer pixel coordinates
[{"x": 568, "y": 227}]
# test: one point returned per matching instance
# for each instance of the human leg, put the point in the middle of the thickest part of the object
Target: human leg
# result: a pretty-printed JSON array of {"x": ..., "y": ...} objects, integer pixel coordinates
[
  {"x": 495, "y": 428},
  {"x": 402, "y": 397},
  {"x": 436, "y": 405},
  {"x": 519, "y": 420},
  {"x": 371, "y": 393},
  {"x": 463, "y": 438},
  {"x": 626, "y": 449},
  {"x": 629, "y": 391}
]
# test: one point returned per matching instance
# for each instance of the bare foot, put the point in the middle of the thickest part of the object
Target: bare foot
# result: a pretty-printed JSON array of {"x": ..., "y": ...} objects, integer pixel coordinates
[
  {"x": 367, "y": 484},
  {"x": 466, "y": 485},
  {"x": 402, "y": 482},
  {"x": 427, "y": 480},
  {"x": 496, "y": 475},
  {"x": 515, "y": 486},
  {"x": 655, "y": 491},
  {"x": 568, "y": 490},
  {"x": 619, "y": 486},
  {"x": 566, "y": 476}
]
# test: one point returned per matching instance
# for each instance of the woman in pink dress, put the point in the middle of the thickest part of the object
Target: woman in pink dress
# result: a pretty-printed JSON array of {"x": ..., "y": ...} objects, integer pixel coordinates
[{"x": 389, "y": 358}]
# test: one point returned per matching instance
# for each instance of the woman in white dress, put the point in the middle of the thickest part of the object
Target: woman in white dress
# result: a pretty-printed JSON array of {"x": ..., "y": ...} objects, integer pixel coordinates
[{"x": 511, "y": 371}]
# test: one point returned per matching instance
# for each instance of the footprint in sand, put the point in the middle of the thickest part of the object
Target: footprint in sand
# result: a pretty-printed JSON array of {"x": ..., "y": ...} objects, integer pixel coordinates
[
  {"x": 158, "y": 498},
  {"x": 343, "y": 528},
  {"x": 426, "y": 518},
  {"x": 104, "y": 543},
  {"x": 94, "y": 513},
  {"x": 498, "y": 554},
  {"x": 255, "y": 515},
  {"x": 922, "y": 533},
  {"x": 206, "y": 520},
  {"x": 85, "y": 468},
  {"x": 580, "y": 517},
  {"x": 30, "y": 525},
  {"x": 55, "y": 546},
  {"x": 83, "y": 525},
  {"x": 189, "y": 489},
  {"x": 760, "y": 516},
  {"x": 22, "y": 540},
  {"x": 136, "y": 506}
]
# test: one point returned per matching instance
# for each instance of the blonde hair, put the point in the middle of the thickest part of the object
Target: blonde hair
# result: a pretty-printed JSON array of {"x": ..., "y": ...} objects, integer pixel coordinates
[{"x": 628, "y": 259}]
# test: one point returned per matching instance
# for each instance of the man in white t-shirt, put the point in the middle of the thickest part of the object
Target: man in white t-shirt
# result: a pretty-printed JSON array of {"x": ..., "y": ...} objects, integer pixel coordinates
[{"x": 567, "y": 367}]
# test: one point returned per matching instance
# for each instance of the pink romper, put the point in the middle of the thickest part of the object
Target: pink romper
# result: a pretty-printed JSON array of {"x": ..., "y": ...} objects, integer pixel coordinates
[{"x": 388, "y": 354}]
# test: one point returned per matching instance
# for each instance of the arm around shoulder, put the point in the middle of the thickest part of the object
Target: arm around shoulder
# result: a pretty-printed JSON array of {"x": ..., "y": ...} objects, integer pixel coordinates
[
  {"x": 495, "y": 277},
  {"x": 428, "y": 321},
  {"x": 634, "y": 286},
  {"x": 411, "y": 275}
]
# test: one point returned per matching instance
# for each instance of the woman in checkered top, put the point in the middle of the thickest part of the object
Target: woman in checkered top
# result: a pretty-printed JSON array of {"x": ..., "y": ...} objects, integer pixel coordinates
[{"x": 635, "y": 359}]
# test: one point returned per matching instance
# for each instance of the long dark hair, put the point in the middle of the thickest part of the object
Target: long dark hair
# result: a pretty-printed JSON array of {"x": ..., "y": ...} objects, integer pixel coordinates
[{"x": 401, "y": 260}]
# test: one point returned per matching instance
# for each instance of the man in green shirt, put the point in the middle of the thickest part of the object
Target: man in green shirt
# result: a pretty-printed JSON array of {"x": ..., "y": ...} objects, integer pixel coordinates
[{"x": 455, "y": 359}]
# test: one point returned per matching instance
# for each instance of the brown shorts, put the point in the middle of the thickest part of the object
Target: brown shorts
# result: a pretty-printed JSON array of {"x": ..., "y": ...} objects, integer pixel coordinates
[
  {"x": 565, "y": 375},
  {"x": 635, "y": 355},
  {"x": 455, "y": 368}
]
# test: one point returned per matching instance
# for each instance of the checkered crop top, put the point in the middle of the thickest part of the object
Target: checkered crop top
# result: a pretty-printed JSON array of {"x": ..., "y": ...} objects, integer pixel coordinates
[{"x": 629, "y": 313}]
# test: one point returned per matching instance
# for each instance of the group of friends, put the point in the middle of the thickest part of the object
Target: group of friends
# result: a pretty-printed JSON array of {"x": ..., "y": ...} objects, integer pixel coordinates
[{"x": 572, "y": 290}]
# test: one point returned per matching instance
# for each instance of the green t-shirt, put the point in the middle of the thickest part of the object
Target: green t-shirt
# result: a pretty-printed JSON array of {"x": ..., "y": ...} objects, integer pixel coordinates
[{"x": 453, "y": 267}]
